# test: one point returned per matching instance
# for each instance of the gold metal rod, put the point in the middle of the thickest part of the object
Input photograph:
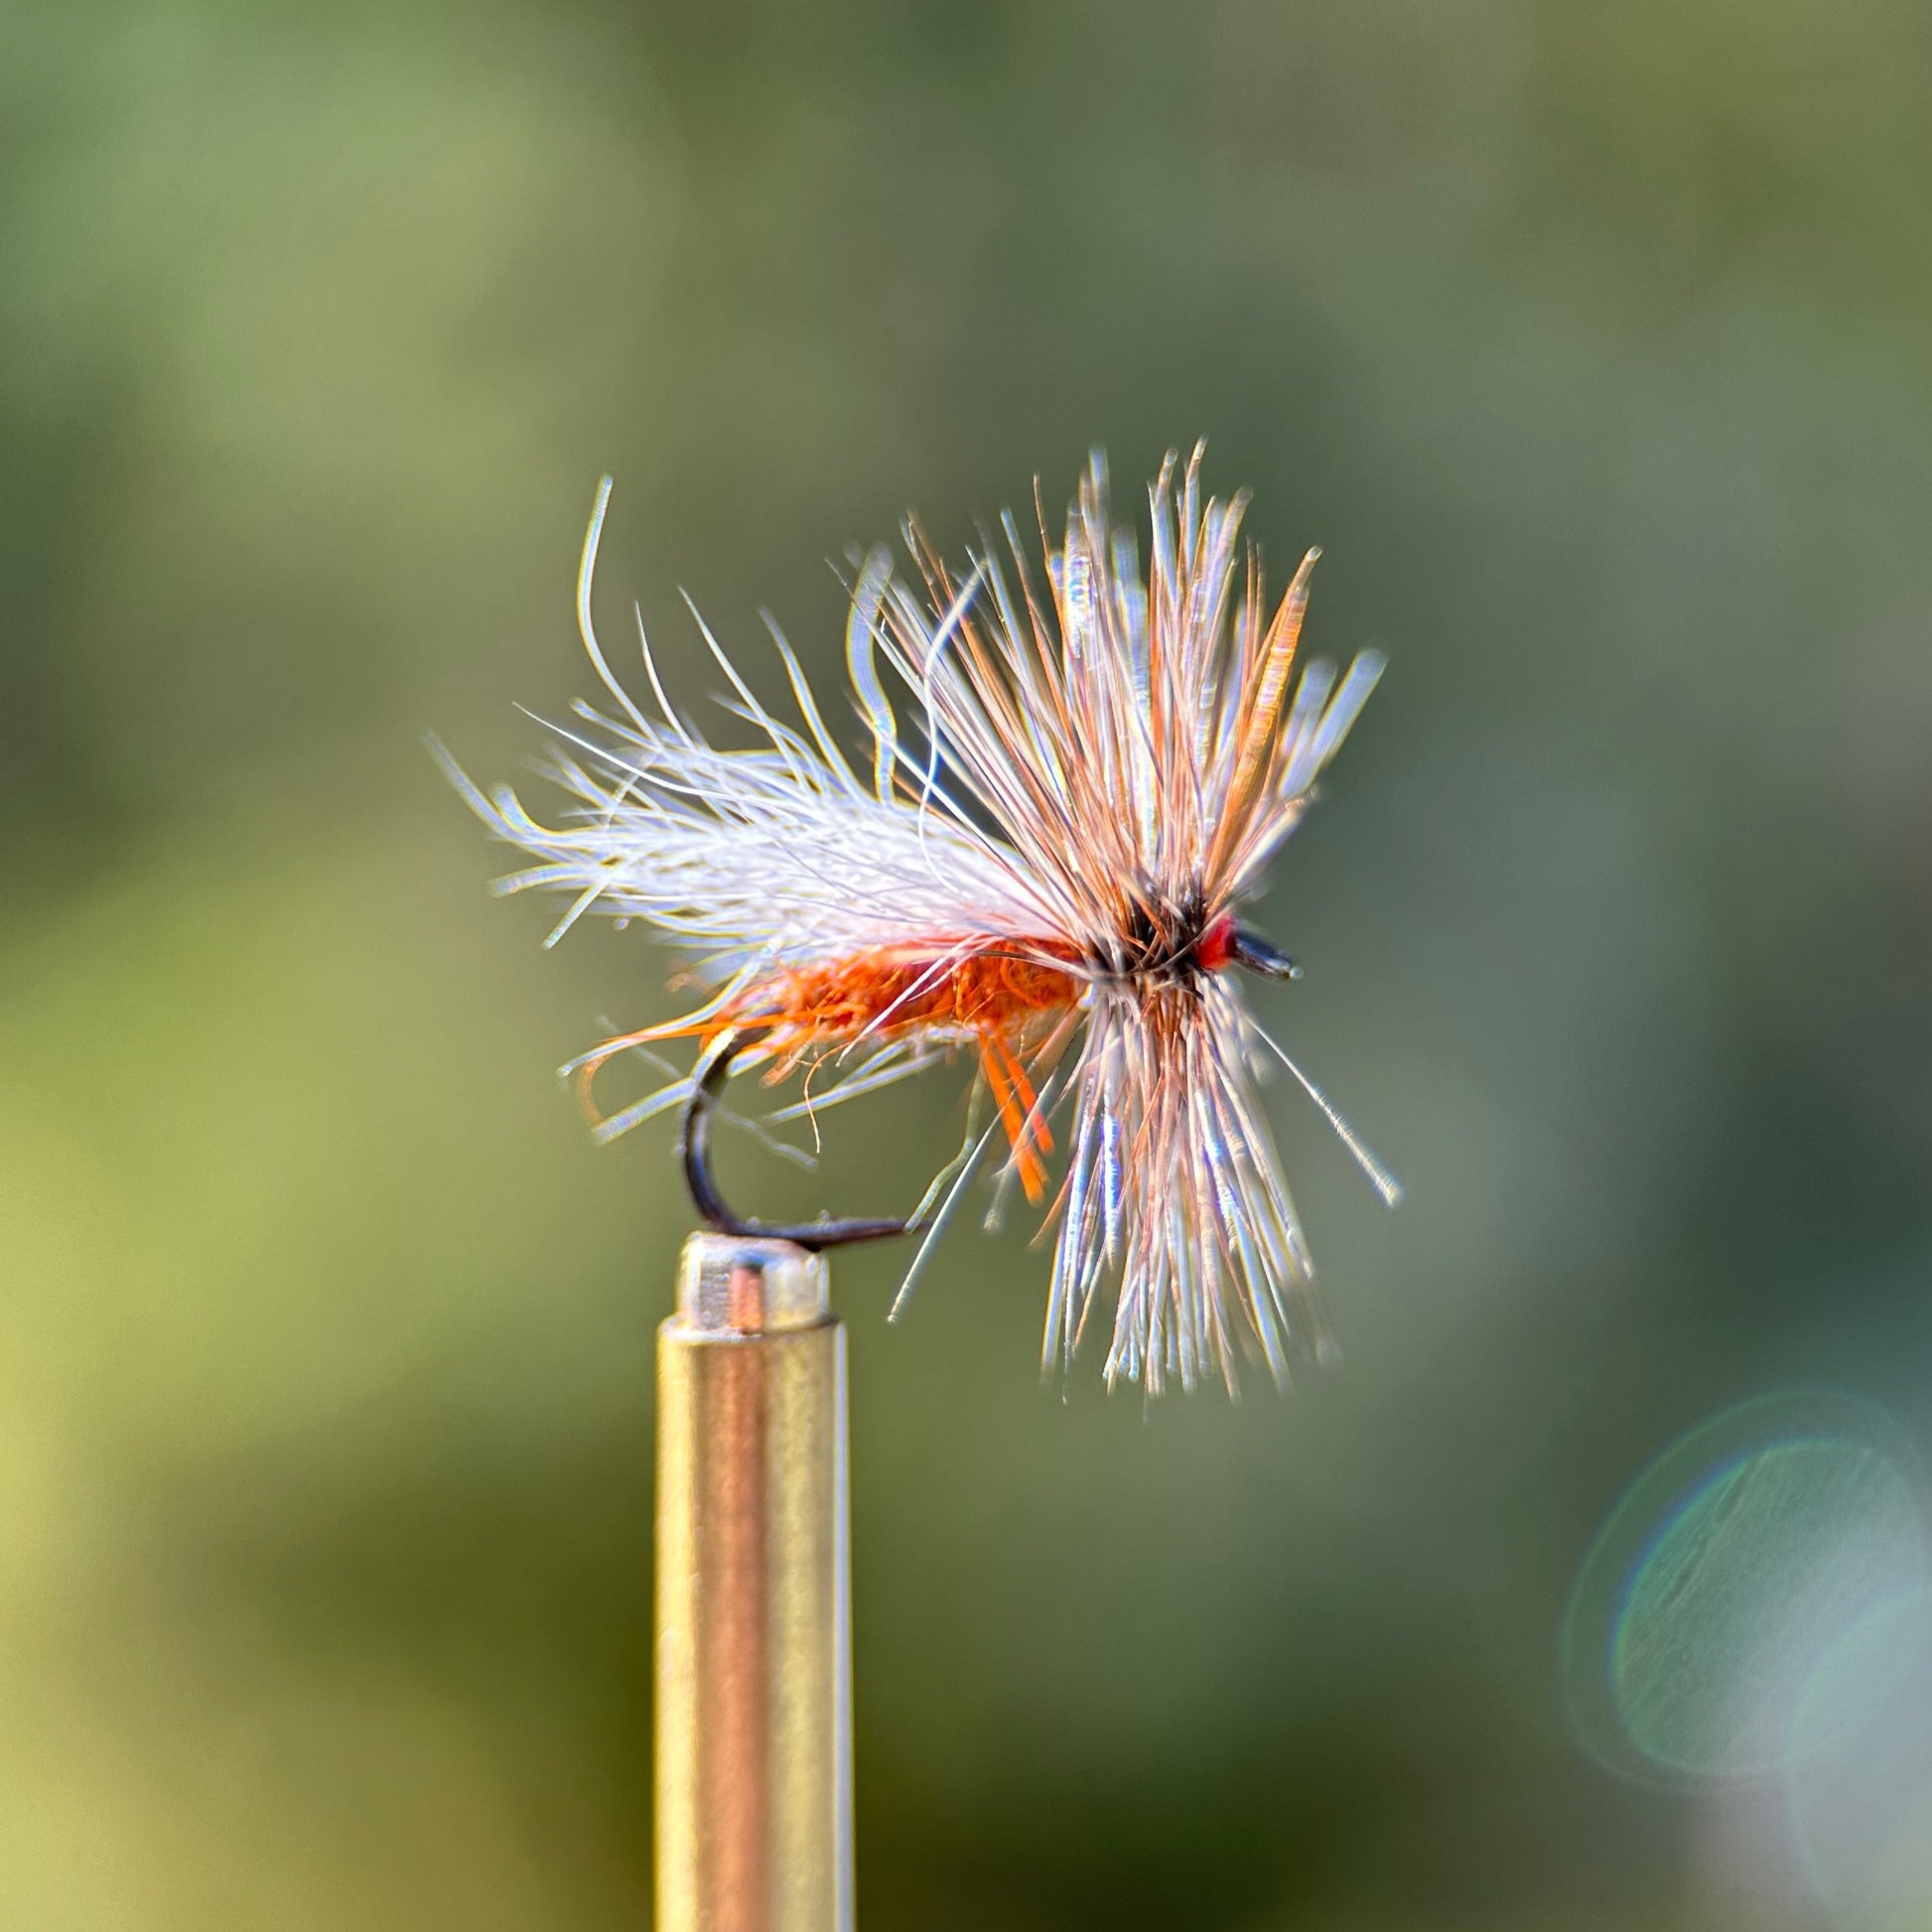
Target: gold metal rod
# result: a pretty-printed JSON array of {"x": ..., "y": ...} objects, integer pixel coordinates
[{"x": 754, "y": 1727}]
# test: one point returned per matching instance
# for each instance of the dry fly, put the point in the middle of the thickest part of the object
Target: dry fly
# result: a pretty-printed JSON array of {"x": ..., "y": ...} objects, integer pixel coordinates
[{"x": 1043, "y": 873}]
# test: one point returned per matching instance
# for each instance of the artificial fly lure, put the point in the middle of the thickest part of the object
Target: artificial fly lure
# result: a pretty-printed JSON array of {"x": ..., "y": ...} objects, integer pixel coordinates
[{"x": 1043, "y": 874}]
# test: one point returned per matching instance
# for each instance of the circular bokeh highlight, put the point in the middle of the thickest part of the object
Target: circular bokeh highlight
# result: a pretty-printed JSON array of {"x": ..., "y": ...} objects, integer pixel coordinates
[
  {"x": 1860, "y": 1777},
  {"x": 1720, "y": 1583}
]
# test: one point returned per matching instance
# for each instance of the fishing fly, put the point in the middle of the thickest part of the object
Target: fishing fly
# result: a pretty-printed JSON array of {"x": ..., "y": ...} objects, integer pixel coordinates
[{"x": 1040, "y": 872}]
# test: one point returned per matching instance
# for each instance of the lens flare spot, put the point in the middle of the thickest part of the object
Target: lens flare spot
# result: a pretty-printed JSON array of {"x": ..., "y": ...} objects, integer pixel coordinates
[{"x": 1721, "y": 1582}]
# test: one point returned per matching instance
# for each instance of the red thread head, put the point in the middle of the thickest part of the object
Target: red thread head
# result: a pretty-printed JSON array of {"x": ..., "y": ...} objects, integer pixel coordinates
[{"x": 1215, "y": 949}]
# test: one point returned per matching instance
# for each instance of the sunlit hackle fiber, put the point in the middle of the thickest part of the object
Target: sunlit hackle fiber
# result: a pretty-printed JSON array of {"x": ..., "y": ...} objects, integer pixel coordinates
[{"x": 1040, "y": 868}]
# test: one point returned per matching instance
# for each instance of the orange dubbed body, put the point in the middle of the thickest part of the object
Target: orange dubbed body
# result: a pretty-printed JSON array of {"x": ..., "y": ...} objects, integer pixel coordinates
[
  {"x": 898, "y": 989},
  {"x": 1010, "y": 998}
]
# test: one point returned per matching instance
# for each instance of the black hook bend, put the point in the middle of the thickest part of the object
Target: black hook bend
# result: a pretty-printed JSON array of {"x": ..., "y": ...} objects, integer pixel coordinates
[{"x": 694, "y": 1149}]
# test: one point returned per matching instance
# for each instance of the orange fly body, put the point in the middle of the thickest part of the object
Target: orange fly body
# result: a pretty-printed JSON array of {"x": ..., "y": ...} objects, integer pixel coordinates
[{"x": 1004, "y": 999}]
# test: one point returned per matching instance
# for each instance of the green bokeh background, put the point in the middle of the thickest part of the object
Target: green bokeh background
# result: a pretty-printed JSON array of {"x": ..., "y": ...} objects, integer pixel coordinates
[{"x": 1591, "y": 344}]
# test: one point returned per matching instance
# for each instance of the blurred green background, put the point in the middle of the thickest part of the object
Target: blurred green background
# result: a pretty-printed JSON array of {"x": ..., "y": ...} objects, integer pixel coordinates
[{"x": 1591, "y": 344}]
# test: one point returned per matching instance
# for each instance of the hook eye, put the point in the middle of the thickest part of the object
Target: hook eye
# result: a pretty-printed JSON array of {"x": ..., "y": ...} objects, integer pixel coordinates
[{"x": 1248, "y": 948}]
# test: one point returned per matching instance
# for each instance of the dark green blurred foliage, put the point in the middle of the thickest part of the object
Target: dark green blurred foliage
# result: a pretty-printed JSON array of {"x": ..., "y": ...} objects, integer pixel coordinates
[{"x": 1591, "y": 344}]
